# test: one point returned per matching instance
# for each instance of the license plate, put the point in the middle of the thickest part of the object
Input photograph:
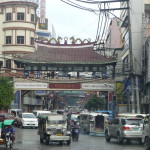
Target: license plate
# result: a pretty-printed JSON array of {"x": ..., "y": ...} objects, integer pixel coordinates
[
  {"x": 59, "y": 134},
  {"x": 135, "y": 129}
]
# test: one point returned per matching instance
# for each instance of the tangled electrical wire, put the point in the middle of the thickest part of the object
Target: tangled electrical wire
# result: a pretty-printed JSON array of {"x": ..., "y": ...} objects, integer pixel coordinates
[{"x": 96, "y": 7}]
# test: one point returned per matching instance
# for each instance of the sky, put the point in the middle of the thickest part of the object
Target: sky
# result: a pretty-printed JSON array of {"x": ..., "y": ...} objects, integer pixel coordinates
[{"x": 69, "y": 21}]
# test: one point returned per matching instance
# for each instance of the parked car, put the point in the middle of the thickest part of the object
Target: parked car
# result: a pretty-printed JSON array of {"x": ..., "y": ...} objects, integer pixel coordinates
[
  {"x": 27, "y": 120},
  {"x": 4, "y": 116},
  {"x": 124, "y": 129}
]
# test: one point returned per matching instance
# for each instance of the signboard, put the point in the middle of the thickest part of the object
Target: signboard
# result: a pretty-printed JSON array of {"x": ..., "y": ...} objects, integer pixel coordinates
[
  {"x": 16, "y": 103},
  {"x": 22, "y": 85},
  {"x": 42, "y": 8},
  {"x": 97, "y": 86},
  {"x": 110, "y": 96},
  {"x": 40, "y": 93},
  {"x": 64, "y": 85},
  {"x": 17, "y": 97},
  {"x": 43, "y": 25},
  {"x": 122, "y": 108},
  {"x": 26, "y": 72}
]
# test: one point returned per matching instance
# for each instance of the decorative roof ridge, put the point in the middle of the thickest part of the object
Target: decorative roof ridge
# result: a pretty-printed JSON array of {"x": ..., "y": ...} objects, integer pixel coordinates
[
  {"x": 66, "y": 45},
  {"x": 64, "y": 41}
]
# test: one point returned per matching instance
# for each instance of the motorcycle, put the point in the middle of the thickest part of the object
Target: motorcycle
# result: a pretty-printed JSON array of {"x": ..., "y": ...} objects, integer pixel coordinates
[
  {"x": 8, "y": 140},
  {"x": 75, "y": 134}
]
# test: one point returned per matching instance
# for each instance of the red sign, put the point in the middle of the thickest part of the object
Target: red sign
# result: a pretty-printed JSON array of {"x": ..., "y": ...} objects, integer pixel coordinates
[
  {"x": 64, "y": 85},
  {"x": 111, "y": 93}
]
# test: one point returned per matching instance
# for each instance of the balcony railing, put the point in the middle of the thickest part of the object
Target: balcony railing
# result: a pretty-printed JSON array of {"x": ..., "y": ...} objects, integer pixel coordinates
[{"x": 32, "y": 1}]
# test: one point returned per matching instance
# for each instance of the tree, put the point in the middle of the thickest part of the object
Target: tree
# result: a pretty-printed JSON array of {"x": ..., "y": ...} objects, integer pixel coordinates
[
  {"x": 95, "y": 103},
  {"x": 6, "y": 93}
]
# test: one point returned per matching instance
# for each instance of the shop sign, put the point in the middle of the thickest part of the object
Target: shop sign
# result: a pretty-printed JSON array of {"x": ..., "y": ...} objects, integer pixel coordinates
[
  {"x": 21, "y": 85},
  {"x": 97, "y": 86},
  {"x": 64, "y": 85}
]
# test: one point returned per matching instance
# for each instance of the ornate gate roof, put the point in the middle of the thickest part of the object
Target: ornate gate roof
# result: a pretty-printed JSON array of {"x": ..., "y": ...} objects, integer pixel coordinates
[{"x": 82, "y": 53}]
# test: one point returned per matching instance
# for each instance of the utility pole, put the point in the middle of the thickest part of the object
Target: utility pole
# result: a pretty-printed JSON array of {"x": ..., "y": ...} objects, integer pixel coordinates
[
  {"x": 131, "y": 73},
  {"x": 131, "y": 61}
]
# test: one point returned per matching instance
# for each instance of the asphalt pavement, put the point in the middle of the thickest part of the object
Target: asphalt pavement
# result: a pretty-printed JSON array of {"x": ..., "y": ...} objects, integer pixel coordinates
[{"x": 27, "y": 139}]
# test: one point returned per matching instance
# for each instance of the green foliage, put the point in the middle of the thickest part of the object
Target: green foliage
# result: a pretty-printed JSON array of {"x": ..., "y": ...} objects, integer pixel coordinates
[
  {"x": 6, "y": 93},
  {"x": 95, "y": 103}
]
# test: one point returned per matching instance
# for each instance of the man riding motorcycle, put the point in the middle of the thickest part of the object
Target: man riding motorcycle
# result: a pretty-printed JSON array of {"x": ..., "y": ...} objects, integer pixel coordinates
[
  {"x": 75, "y": 132},
  {"x": 9, "y": 129}
]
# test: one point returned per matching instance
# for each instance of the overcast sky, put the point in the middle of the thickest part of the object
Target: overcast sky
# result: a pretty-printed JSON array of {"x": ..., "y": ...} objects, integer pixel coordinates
[{"x": 69, "y": 21}]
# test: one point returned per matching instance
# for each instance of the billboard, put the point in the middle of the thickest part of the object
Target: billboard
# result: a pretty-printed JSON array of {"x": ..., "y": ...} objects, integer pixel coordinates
[{"x": 43, "y": 25}]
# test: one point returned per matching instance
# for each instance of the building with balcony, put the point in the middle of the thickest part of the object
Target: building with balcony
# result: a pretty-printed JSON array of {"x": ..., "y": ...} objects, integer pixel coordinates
[
  {"x": 145, "y": 98},
  {"x": 137, "y": 22},
  {"x": 17, "y": 29}
]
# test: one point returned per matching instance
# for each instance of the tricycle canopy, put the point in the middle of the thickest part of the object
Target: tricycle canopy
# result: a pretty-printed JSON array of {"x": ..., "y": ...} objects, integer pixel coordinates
[
  {"x": 1, "y": 124},
  {"x": 8, "y": 122}
]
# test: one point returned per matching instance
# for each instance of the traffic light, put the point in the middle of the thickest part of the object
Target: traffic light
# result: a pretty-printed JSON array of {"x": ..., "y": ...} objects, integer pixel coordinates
[{"x": 114, "y": 99}]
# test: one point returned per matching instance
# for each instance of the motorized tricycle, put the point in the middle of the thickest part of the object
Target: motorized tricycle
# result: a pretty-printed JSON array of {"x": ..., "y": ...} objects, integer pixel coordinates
[{"x": 6, "y": 136}]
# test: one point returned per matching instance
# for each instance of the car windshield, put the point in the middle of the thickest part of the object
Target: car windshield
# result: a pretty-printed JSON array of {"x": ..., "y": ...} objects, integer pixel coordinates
[
  {"x": 132, "y": 121},
  {"x": 74, "y": 117},
  {"x": 28, "y": 116},
  {"x": 56, "y": 122}
]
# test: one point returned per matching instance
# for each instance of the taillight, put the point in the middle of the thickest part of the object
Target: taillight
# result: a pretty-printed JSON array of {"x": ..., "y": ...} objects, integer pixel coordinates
[{"x": 125, "y": 128}]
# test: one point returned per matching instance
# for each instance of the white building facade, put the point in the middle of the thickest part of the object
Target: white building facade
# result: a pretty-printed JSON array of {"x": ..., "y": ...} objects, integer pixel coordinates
[{"x": 17, "y": 29}]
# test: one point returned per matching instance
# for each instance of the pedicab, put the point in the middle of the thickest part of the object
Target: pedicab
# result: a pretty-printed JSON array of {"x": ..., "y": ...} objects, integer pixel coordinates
[{"x": 6, "y": 137}]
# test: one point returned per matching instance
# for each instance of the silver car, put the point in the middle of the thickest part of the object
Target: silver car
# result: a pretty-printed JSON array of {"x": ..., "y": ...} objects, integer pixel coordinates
[{"x": 124, "y": 129}]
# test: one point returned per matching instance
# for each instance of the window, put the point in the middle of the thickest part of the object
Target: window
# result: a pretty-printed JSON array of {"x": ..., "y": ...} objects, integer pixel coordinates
[
  {"x": 126, "y": 64},
  {"x": 32, "y": 18},
  {"x": 115, "y": 122},
  {"x": 20, "y": 16},
  {"x": 126, "y": 41},
  {"x": 32, "y": 41},
  {"x": 8, "y": 16},
  {"x": 20, "y": 39},
  {"x": 8, "y": 63},
  {"x": 8, "y": 39}
]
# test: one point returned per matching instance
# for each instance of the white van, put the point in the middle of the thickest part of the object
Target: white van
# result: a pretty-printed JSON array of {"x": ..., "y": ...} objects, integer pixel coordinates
[
  {"x": 38, "y": 112},
  {"x": 15, "y": 112}
]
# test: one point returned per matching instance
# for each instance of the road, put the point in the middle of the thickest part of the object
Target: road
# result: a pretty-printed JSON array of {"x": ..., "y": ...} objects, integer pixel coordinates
[{"x": 27, "y": 139}]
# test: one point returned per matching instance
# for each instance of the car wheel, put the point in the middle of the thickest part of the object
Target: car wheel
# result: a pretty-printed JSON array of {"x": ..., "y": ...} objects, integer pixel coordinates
[
  {"x": 128, "y": 141},
  {"x": 41, "y": 139},
  {"x": 22, "y": 126},
  {"x": 107, "y": 137},
  {"x": 147, "y": 143},
  {"x": 68, "y": 142},
  {"x": 47, "y": 140},
  {"x": 140, "y": 142},
  {"x": 119, "y": 140},
  {"x": 60, "y": 142},
  {"x": 17, "y": 125}
]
